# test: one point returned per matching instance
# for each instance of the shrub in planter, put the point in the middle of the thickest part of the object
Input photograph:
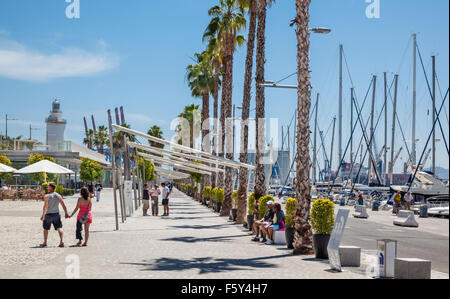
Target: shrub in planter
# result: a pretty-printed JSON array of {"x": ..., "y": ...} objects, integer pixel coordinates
[
  {"x": 290, "y": 224},
  {"x": 220, "y": 197},
  {"x": 60, "y": 190},
  {"x": 234, "y": 197},
  {"x": 207, "y": 194},
  {"x": 251, "y": 207},
  {"x": 214, "y": 198},
  {"x": 322, "y": 222},
  {"x": 263, "y": 205}
]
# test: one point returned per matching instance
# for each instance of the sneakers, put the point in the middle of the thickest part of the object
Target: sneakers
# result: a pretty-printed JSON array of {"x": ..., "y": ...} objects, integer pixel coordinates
[
  {"x": 256, "y": 239},
  {"x": 269, "y": 242},
  {"x": 264, "y": 240}
]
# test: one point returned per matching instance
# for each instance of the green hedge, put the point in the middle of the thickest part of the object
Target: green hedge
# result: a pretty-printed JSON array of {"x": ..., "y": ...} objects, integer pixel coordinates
[
  {"x": 263, "y": 205},
  {"x": 322, "y": 216},
  {"x": 207, "y": 192},
  {"x": 251, "y": 203},
  {"x": 290, "y": 212}
]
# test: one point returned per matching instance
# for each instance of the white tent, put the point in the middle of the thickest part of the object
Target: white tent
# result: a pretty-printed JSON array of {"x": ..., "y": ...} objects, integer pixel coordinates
[
  {"x": 45, "y": 166},
  {"x": 6, "y": 169}
]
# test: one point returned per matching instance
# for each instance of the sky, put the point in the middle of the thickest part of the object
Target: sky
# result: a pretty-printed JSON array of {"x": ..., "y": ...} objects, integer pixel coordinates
[{"x": 134, "y": 54}]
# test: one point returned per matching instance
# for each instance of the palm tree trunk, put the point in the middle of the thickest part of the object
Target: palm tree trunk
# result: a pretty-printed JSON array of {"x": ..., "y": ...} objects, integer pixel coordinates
[
  {"x": 260, "y": 176},
  {"x": 303, "y": 234},
  {"x": 243, "y": 172},
  {"x": 206, "y": 145},
  {"x": 227, "y": 131},
  {"x": 216, "y": 114}
]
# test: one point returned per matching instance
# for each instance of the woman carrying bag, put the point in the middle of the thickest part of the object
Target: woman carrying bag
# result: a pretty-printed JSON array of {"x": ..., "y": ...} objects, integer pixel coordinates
[{"x": 84, "y": 216}]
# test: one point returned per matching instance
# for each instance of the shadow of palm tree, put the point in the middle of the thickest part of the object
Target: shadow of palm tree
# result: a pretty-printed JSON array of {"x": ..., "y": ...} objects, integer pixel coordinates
[
  {"x": 196, "y": 240},
  {"x": 208, "y": 264},
  {"x": 217, "y": 226}
]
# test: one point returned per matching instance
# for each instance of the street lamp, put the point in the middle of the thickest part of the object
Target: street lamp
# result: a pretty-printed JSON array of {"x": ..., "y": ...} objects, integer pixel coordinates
[{"x": 320, "y": 30}]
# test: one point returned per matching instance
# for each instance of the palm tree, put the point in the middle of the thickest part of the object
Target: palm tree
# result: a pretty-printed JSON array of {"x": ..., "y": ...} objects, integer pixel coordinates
[
  {"x": 201, "y": 82},
  {"x": 303, "y": 234},
  {"x": 215, "y": 57},
  {"x": 190, "y": 116},
  {"x": 260, "y": 177},
  {"x": 155, "y": 131},
  {"x": 227, "y": 21},
  {"x": 88, "y": 139},
  {"x": 101, "y": 138},
  {"x": 243, "y": 172}
]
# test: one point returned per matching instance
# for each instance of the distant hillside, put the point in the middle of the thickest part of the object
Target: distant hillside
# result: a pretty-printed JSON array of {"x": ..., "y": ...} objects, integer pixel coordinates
[{"x": 442, "y": 173}]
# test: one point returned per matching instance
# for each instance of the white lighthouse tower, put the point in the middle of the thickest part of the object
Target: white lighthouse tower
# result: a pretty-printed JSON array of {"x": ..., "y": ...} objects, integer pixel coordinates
[{"x": 56, "y": 126}]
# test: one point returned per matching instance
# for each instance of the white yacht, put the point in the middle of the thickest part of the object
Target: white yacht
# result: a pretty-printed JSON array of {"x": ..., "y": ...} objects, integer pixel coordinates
[{"x": 425, "y": 185}]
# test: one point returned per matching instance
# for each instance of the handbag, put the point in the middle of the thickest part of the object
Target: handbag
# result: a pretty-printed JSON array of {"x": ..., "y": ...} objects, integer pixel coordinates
[{"x": 84, "y": 219}]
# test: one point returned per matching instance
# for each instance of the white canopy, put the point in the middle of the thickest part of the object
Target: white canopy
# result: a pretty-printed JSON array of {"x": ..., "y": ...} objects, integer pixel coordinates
[
  {"x": 170, "y": 174},
  {"x": 45, "y": 166},
  {"x": 6, "y": 169}
]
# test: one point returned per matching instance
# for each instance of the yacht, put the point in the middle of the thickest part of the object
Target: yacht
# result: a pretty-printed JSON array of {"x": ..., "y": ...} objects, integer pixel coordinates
[{"x": 425, "y": 185}]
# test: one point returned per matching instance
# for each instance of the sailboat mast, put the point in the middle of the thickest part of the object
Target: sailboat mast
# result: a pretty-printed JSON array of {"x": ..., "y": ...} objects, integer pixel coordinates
[
  {"x": 413, "y": 154},
  {"x": 391, "y": 165},
  {"x": 372, "y": 117},
  {"x": 434, "y": 115},
  {"x": 315, "y": 143},
  {"x": 385, "y": 128},
  {"x": 341, "y": 50}
]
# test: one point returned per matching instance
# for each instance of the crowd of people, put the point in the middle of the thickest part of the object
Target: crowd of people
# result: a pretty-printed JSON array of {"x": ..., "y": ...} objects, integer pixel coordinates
[{"x": 274, "y": 220}]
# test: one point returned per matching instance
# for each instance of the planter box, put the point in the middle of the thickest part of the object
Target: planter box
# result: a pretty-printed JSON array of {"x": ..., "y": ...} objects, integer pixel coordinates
[{"x": 321, "y": 246}]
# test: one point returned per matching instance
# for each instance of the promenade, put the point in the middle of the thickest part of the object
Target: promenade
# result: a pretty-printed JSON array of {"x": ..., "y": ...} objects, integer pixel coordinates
[{"x": 193, "y": 243}]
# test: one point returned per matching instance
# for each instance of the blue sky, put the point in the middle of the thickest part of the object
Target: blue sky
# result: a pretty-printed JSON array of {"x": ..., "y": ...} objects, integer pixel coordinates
[{"x": 134, "y": 54}]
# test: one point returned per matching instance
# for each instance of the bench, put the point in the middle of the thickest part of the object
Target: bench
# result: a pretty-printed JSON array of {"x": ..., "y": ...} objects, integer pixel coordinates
[
  {"x": 412, "y": 268},
  {"x": 350, "y": 256},
  {"x": 279, "y": 237},
  {"x": 361, "y": 212},
  {"x": 406, "y": 218}
]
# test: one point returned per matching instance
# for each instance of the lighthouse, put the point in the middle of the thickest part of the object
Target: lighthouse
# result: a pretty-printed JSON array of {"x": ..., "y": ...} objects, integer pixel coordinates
[{"x": 56, "y": 126}]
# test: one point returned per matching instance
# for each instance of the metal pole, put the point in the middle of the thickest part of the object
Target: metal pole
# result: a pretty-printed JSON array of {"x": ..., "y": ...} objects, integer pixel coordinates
[
  {"x": 113, "y": 171},
  {"x": 414, "y": 152},
  {"x": 391, "y": 166},
  {"x": 351, "y": 126},
  {"x": 332, "y": 148},
  {"x": 385, "y": 129},
  {"x": 372, "y": 116},
  {"x": 314, "y": 176},
  {"x": 433, "y": 168},
  {"x": 341, "y": 50}
]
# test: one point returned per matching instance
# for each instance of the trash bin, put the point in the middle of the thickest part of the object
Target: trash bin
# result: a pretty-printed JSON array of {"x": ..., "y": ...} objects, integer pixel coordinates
[
  {"x": 424, "y": 211},
  {"x": 342, "y": 203},
  {"x": 376, "y": 206},
  {"x": 387, "y": 253}
]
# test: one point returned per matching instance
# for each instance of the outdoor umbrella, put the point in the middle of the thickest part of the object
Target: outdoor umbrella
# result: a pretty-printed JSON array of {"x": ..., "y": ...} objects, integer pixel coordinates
[
  {"x": 6, "y": 169},
  {"x": 44, "y": 166}
]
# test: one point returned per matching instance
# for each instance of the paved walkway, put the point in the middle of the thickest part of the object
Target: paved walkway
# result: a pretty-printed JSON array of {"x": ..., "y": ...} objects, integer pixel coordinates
[{"x": 192, "y": 243}]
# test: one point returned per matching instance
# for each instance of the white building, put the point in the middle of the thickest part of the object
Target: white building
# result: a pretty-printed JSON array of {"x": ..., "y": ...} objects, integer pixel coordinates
[{"x": 56, "y": 126}]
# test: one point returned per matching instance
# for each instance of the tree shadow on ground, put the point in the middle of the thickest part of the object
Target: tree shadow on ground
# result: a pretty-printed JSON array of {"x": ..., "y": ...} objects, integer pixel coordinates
[
  {"x": 217, "y": 226},
  {"x": 208, "y": 264},
  {"x": 198, "y": 240}
]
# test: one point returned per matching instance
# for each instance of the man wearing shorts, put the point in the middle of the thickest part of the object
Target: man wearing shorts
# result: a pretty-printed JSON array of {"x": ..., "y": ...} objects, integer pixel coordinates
[
  {"x": 155, "y": 192},
  {"x": 51, "y": 216},
  {"x": 265, "y": 222},
  {"x": 165, "y": 193}
]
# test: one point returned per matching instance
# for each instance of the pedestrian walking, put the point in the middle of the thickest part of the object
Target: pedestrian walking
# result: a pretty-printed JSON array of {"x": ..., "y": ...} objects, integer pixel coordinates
[
  {"x": 165, "y": 194},
  {"x": 50, "y": 214},
  {"x": 145, "y": 200},
  {"x": 98, "y": 190},
  {"x": 155, "y": 193},
  {"x": 397, "y": 202},
  {"x": 409, "y": 200},
  {"x": 84, "y": 205}
]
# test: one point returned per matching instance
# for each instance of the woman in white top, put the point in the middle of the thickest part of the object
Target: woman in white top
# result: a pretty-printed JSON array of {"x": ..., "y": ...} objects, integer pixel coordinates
[{"x": 408, "y": 200}]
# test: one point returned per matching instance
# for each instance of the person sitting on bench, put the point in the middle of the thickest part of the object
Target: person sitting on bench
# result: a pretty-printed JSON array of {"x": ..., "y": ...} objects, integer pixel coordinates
[
  {"x": 278, "y": 224},
  {"x": 266, "y": 221}
]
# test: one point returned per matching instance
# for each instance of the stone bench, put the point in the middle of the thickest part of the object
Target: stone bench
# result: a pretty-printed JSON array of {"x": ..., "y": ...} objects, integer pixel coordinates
[
  {"x": 406, "y": 219},
  {"x": 361, "y": 212},
  {"x": 279, "y": 237},
  {"x": 350, "y": 256},
  {"x": 412, "y": 268}
]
